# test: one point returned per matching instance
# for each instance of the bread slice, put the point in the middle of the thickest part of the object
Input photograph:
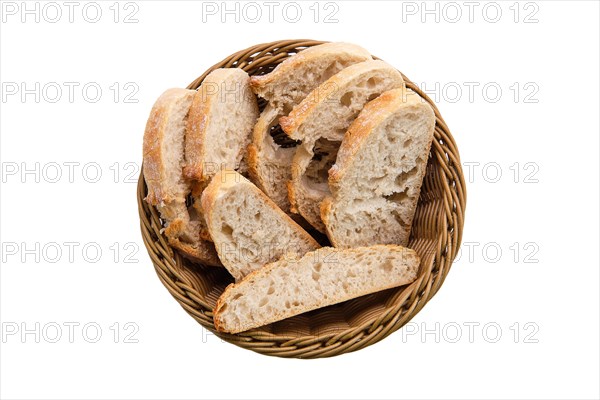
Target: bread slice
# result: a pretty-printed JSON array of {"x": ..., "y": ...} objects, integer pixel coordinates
[
  {"x": 327, "y": 276},
  {"x": 268, "y": 162},
  {"x": 167, "y": 188},
  {"x": 297, "y": 76},
  {"x": 219, "y": 129},
  {"x": 220, "y": 123},
  {"x": 376, "y": 180},
  {"x": 248, "y": 229},
  {"x": 320, "y": 122},
  {"x": 269, "y": 158}
]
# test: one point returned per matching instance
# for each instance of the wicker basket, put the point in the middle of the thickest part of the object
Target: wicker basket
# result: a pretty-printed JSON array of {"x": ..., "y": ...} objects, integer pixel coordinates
[{"x": 352, "y": 325}]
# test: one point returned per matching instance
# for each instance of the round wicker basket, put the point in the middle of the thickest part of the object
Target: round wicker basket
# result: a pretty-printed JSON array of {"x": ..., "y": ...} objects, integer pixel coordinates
[{"x": 352, "y": 325}]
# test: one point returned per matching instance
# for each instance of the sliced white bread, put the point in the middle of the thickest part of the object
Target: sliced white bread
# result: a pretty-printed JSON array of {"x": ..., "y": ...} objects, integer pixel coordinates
[
  {"x": 327, "y": 276},
  {"x": 269, "y": 160},
  {"x": 376, "y": 180},
  {"x": 320, "y": 122},
  {"x": 219, "y": 129},
  {"x": 297, "y": 76},
  {"x": 220, "y": 123},
  {"x": 167, "y": 188},
  {"x": 247, "y": 227}
]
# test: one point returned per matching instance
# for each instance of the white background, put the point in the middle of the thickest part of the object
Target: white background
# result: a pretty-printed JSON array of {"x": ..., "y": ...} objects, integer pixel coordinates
[{"x": 542, "y": 292}]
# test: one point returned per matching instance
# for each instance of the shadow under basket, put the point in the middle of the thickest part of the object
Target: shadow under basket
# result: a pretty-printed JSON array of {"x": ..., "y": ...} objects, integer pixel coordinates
[{"x": 354, "y": 324}]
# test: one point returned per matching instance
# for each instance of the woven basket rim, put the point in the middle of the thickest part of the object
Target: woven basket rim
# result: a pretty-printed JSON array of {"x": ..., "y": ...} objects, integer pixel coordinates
[{"x": 447, "y": 213}]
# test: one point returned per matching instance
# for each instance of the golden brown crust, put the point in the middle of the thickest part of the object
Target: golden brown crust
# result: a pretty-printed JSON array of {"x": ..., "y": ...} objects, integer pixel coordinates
[
  {"x": 252, "y": 154},
  {"x": 197, "y": 123},
  {"x": 175, "y": 229},
  {"x": 326, "y": 206},
  {"x": 286, "y": 124},
  {"x": 216, "y": 312},
  {"x": 153, "y": 135},
  {"x": 258, "y": 81},
  {"x": 261, "y": 129}
]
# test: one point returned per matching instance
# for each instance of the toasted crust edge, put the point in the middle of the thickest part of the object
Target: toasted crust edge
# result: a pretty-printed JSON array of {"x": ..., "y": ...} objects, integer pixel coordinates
[
  {"x": 254, "y": 147},
  {"x": 153, "y": 133},
  {"x": 326, "y": 209},
  {"x": 199, "y": 116}
]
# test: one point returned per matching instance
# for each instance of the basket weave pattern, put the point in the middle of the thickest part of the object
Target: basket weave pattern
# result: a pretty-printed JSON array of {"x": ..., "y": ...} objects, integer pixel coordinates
[{"x": 352, "y": 325}]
